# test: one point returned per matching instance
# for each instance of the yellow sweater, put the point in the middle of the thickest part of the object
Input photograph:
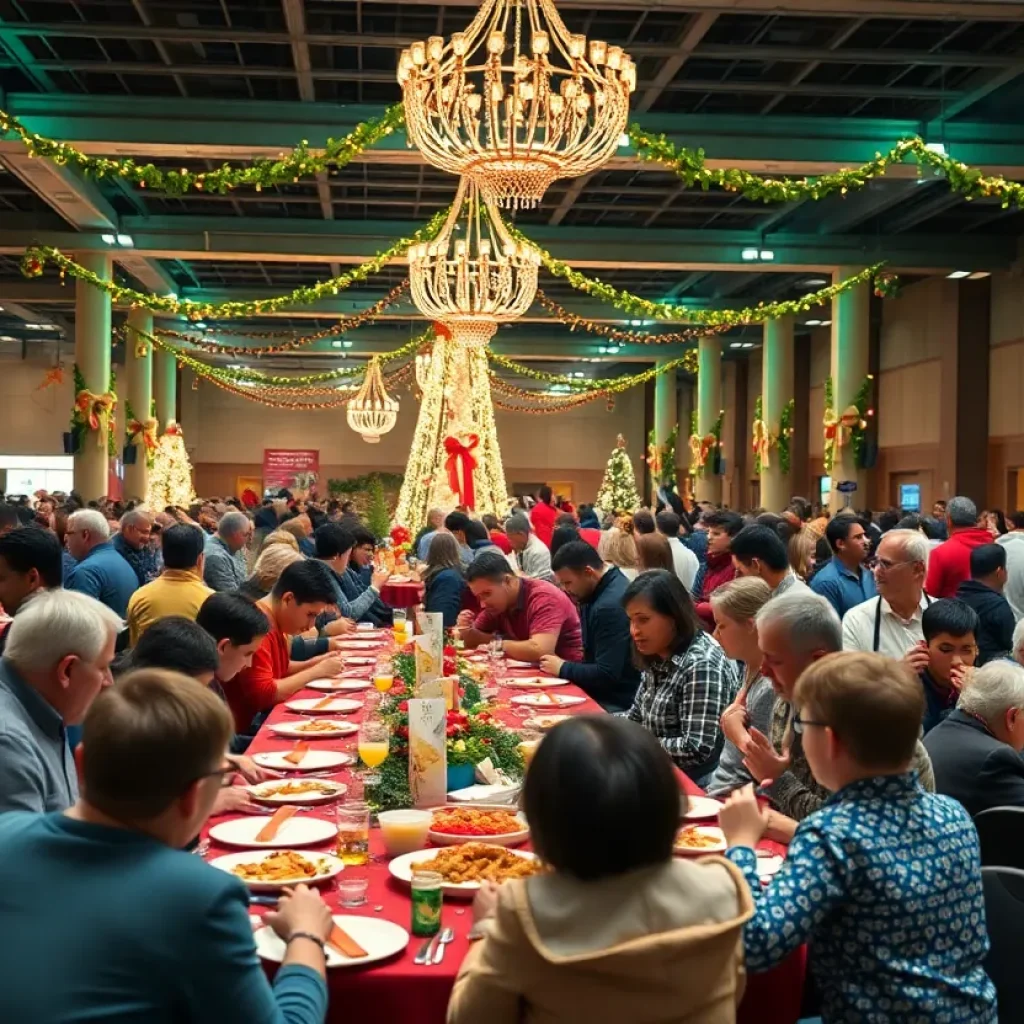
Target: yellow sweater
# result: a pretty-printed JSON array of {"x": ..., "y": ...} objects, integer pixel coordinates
[{"x": 174, "y": 592}]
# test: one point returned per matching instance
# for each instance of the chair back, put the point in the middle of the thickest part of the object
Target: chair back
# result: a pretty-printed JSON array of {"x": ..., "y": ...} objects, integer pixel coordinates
[
  {"x": 1001, "y": 831},
  {"x": 1004, "y": 915}
]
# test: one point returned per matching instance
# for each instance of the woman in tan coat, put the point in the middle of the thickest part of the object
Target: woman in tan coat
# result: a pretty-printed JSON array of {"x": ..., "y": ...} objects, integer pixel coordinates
[{"x": 619, "y": 930}]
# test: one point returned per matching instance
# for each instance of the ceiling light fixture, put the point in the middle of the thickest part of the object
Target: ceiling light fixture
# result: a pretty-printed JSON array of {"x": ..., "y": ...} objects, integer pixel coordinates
[
  {"x": 959, "y": 275},
  {"x": 812, "y": 323}
]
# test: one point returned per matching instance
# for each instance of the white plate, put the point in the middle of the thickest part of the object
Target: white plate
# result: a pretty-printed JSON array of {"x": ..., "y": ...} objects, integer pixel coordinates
[
  {"x": 309, "y": 706},
  {"x": 502, "y": 839},
  {"x": 512, "y": 663},
  {"x": 328, "y": 866},
  {"x": 266, "y": 792},
  {"x": 556, "y": 700},
  {"x": 298, "y": 830},
  {"x": 705, "y": 830},
  {"x": 295, "y": 729},
  {"x": 314, "y": 761},
  {"x": 356, "y": 645},
  {"x": 378, "y": 937},
  {"x": 369, "y": 628},
  {"x": 401, "y": 868},
  {"x": 339, "y": 685},
  {"x": 545, "y": 722},
  {"x": 360, "y": 661},
  {"x": 701, "y": 807},
  {"x": 534, "y": 682}
]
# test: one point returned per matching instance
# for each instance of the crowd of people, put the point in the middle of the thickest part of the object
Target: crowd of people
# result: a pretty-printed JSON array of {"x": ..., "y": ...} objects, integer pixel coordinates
[{"x": 851, "y": 687}]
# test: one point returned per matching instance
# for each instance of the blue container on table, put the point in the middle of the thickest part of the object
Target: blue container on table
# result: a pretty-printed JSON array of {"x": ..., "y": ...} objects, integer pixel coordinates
[{"x": 460, "y": 776}]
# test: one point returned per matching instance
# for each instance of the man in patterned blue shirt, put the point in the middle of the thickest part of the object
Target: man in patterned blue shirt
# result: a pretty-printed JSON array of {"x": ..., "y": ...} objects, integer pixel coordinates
[{"x": 884, "y": 881}]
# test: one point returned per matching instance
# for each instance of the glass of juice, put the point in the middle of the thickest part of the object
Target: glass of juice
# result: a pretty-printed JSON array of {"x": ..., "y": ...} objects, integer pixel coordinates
[
  {"x": 383, "y": 675},
  {"x": 427, "y": 897},
  {"x": 404, "y": 831},
  {"x": 374, "y": 738},
  {"x": 353, "y": 819}
]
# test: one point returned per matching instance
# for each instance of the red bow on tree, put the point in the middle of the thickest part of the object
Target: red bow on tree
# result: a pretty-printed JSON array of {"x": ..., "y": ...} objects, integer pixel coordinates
[{"x": 460, "y": 466}]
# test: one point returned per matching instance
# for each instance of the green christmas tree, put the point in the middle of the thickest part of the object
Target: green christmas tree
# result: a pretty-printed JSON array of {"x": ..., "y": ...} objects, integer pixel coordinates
[
  {"x": 170, "y": 479},
  {"x": 378, "y": 518},
  {"x": 618, "y": 493}
]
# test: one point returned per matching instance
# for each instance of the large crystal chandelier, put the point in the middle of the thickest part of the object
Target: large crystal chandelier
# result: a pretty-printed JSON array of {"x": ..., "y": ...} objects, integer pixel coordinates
[
  {"x": 373, "y": 411},
  {"x": 474, "y": 275},
  {"x": 512, "y": 113}
]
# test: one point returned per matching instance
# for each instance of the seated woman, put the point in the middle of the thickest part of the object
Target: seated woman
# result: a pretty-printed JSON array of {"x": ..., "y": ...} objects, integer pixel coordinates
[
  {"x": 653, "y": 552},
  {"x": 687, "y": 682},
  {"x": 618, "y": 919},
  {"x": 443, "y": 578},
  {"x": 618, "y": 548}
]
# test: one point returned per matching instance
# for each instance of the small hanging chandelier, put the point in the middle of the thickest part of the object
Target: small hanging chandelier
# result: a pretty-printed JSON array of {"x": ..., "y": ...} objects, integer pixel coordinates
[
  {"x": 373, "y": 411},
  {"x": 423, "y": 358},
  {"x": 527, "y": 112}
]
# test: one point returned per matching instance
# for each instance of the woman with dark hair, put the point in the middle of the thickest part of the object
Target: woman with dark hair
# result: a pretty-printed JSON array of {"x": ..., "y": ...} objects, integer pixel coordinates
[
  {"x": 443, "y": 578},
  {"x": 616, "y": 915},
  {"x": 563, "y": 535},
  {"x": 687, "y": 682},
  {"x": 653, "y": 552}
]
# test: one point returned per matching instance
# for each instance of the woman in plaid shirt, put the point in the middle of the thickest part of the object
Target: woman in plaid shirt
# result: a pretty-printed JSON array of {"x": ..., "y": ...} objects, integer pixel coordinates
[{"x": 687, "y": 681}]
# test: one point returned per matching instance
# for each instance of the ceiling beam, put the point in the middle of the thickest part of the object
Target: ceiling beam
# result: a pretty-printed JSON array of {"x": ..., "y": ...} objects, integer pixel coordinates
[
  {"x": 687, "y": 41},
  {"x": 980, "y": 87}
]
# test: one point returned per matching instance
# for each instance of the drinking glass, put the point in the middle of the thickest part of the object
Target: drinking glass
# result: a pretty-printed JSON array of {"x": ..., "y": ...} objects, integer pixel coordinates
[
  {"x": 353, "y": 819},
  {"x": 374, "y": 737},
  {"x": 384, "y": 675}
]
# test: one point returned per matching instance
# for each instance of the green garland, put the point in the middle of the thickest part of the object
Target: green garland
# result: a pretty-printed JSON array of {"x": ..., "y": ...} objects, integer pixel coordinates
[
  {"x": 604, "y": 384},
  {"x": 287, "y": 168},
  {"x": 858, "y": 434},
  {"x": 786, "y": 436},
  {"x": 690, "y": 165},
  {"x": 111, "y": 427},
  {"x": 830, "y": 410},
  {"x": 888, "y": 285},
  {"x": 758, "y": 415},
  {"x": 716, "y": 456}
]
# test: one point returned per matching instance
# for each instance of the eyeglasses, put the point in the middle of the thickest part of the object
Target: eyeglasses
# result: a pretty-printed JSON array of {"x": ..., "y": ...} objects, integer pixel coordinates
[
  {"x": 800, "y": 724},
  {"x": 885, "y": 564},
  {"x": 228, "y": 769}
]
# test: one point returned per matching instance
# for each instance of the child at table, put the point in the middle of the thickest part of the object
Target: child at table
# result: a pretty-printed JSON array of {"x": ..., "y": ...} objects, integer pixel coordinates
[{"x": 883, "y": 883}]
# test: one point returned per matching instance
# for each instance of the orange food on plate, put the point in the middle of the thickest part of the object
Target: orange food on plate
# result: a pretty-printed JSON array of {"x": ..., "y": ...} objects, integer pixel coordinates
[
  {"x": 326, "y": 702},
  {"x": 469, "y": 821},
  {"x": 272, "y": 827},
  {"x": 317, "y": 725},
  {"x": 477, "y": 862},
  {"x": 283, "y": 866},
  {"x": 345, "y": 944},
  {"x": 297, "y": 788},
  {"x": 297, "y": 753},
  {"x": 691, "y": 839}
]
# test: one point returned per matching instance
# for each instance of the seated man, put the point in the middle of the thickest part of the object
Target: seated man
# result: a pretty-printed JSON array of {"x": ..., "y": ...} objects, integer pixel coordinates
[
  {"x": 57, "y": 659},
  {"x": 759, "y": 551},
  {"x": 30, "y": 561},
  {"x": 607, "y": 672},
  {"x": 299, "y": 596},
  {"x": 151, "y": 762},
  {"x": 532, "y": 556},
  {"x": 533, "y": 616},
  {"x": 224, "y": 567},
  {"x": 132, "y": 542},
  {"x": 100, "y": 571},
  {"x": 361, "y": 576},
  {"x": 334, "y": 544},
  {"x": 238, "y": 628},
  {"x": 179, "y": 590}
]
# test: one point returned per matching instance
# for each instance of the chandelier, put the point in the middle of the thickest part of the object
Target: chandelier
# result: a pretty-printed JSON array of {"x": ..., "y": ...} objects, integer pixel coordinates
[
  {"x": 473, "y": 275},
  {"x": 372, "y": 411},
  {"x": 423, "y": 358},
  {"x": 516, "y": 114}
]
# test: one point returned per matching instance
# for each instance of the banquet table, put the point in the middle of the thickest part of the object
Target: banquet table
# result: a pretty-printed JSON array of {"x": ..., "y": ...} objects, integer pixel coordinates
[
  {"x": 403, "y": 594},
  {"x": 399, "y": 991}
]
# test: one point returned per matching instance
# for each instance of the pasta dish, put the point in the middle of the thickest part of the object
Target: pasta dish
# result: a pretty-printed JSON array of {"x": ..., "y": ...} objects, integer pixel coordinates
[
  {"x": 468, "y": 821},
  {"x": 297, "y": 788},
  {"x": 317, "y": 725},
  {"x": 477, "y": 862},
  {"x": 283, "y": 866},
  {"x": 691, "y": 839}
]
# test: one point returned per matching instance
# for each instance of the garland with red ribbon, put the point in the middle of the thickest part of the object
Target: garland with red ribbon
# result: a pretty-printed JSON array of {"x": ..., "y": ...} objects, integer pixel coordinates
[{"x": 460, "y": 466}]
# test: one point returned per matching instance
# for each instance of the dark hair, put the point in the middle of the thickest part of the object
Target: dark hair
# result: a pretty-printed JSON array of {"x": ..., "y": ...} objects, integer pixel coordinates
[
  {"x": 932, "y": 528},
  {"x": 308, "y": 581},
  {"x": 839, "y": 529},
  {"x": 456, "y": 521},
  {"x": 9, "y": 516},
  {"x": 939, "y": 501},
  {"x": 544, "y": 493},
  {"x": 948, "y": 615},
  {"x": 762, "y": 543},
  {"x": 182, "y": 544},
  {"x": 731, "y": 522},
  {"x": 1017, "y": 518},
  {"x": 490, "y": 520},
  {"x": 562, "y": 535},
  {"x": 668, "y": 523},
  {"x": 911, "y": 521},
  {"x": 332, "y": 539},
  {"x": 664, "y": 592},
  {"x": 986, "y": 559},
  {"x": 602, "y": 798},
  {"x": 31, "y": 547},
  {"x": 1000, "y": 520},
  {"x": 232, "y": 617},
  {"x": 361, "y": 535},
  {"x": 476, "y": 531},
  {"x": 888, "y": 519},
  {"x": 576, "y": 555},
  {"x": 488, "y": 565},
  {"x": 177, "y": 644},
  {"x": 643, "y": 521}
]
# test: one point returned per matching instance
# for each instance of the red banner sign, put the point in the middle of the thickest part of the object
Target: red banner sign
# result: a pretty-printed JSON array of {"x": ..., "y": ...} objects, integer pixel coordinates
[{"x": 291, "y": 469}]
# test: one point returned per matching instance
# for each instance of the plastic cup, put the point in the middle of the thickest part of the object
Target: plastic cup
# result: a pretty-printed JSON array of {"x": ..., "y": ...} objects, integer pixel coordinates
[{"x": 404, "y": 831}]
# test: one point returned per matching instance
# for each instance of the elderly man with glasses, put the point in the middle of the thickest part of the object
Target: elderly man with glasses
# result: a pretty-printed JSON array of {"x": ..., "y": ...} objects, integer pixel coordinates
[{"x": 891, "y": 623}]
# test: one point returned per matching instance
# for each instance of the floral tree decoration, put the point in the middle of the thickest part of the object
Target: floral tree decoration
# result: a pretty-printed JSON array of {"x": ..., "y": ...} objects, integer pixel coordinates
[
  {"x": 705, "y": 452},
  {"x": 786, "y": 436},
  {"x": 94, "y": 412},
  {"x": 849, "y": 427}
]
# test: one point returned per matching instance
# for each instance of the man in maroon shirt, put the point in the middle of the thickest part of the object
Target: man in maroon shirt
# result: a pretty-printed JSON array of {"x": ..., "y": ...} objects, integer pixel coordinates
[{"x": 534, "y": 616}]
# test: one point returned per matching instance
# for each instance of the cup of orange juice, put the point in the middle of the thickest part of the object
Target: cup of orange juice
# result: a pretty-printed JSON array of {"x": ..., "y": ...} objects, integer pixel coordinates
[
  {"x": 528, "y": 748},
  {"x": 404, "y": 831}
]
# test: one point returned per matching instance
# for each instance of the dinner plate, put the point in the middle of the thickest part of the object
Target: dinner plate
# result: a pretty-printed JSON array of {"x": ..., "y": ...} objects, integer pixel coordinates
[
  {"x": 712, "y": 832},
  {"x": 369, "y": 629},
  {"x": 702, "y": 807},
  {"x": 328, "y": 866},
  {"x": 295, "y": 729},
  {"x": 339, "y": 685},
  {"x": 439, "y": 838},
  {"x": 360, "y": 661},
  {"x": 268, "y": 792},
  {"x": 312, "y": 706},
  {"x": 545, "y": 722},
  {"x": 402, "y": 867},
  {"x": 314, "y": 761},
  {"x": 359, "y": 645},
  {"x": 534, "y": 682},
  {"x": 380, "y": 939},
  {"x": 558, "y": 700},
  {"x": 513, "y": 663},
  {"x": 298, "y": 830}
]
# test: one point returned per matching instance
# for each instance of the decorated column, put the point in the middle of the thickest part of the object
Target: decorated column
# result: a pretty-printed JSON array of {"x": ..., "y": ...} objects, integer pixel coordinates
[
  {"x": 704, "y": 448},
  {"x": 772, "y": 434},
  {"x": 140, "y": 427},
  {"x": 847, "y": 390},
  {"x": 664, "y": 418},
  {"x": 95, "y": 402},
  {"x": 165, "y": 388}
]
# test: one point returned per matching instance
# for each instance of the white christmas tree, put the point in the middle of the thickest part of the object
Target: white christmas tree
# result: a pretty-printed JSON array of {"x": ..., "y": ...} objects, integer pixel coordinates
[
  {"x": 618, "y": 494},
  {"x": 170, "y": 479}
]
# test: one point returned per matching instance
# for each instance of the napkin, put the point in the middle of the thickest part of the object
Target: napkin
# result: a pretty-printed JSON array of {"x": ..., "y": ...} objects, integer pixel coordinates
[
  {"x": 272, "y": 827},
  {"x": 345, "y": 944},
  {"x": 298, "y": 752}
]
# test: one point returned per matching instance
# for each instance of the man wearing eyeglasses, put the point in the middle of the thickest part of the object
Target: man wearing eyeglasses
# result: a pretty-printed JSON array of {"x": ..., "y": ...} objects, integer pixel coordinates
[{"x": 891, "y": 623}]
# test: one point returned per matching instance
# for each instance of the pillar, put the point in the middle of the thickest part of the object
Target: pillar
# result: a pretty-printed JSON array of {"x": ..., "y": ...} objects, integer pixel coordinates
[
  {"x": 709, "y": 406},
  {"x": 851, "y": 318},
  {"x": 92, "y": 357},
  {"x": 664, "y": 405},
  {"x": 165, "y": 388},
  {"x": 138, "y": 364},
  {"x": 776, "y": 391},
  {"x": 686, "y": 403}
]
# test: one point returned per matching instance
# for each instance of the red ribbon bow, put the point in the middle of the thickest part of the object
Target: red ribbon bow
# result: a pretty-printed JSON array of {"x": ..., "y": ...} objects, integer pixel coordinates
[{"x": 460, "y": 466}]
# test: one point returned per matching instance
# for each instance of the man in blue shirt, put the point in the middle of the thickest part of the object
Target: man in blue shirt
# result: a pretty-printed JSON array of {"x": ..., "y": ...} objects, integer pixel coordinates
[
  {"x": 101, "y": 572},
  {"x": 844, "y": 582}
]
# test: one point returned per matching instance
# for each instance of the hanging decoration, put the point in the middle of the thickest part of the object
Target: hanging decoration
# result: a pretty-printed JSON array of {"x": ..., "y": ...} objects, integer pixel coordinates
[
  {"x": 53, "y": 377},
  {"x": 372, "y": 411},
  {"x": 604, "y": 385},
  {"x": 830, "y": 424},
  {"x": 93, "y": 411},
  {"x": 762, "y": 440},
  {"x": 516, "y": 114},
  {"x": 661, "y": 459},
  {"x": 888, "y": 285},
  {"x": 141, "y": 433},
  {"x": 460, "y": 466},
  {"x": 705, "y": 451},
  {"x": 785, "y": 441},
  {"x": 847, "y": 428},
  {"x": 653, "y": 458}
]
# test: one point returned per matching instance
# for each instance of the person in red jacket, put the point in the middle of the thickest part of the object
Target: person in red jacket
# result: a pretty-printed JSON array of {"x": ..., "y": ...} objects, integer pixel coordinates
[
  {"x": 718, "y": 568},
  {"x": 544, "y": 514},
  {"x": 949, "y": 564}
]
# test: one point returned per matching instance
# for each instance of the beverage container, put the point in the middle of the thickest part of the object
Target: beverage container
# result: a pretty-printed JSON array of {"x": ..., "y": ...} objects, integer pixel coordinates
[
  {"x": 383, "y": 675},
  {"x": 373, "y": 753},
  {"x": 427, "y": 898},
  {"x": 404, "y": 831},
  {"x": 354, "y": 833}
]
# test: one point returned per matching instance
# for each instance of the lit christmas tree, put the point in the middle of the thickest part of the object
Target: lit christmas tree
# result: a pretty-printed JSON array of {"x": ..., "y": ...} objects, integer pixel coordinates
[
  {"x": 170, "y": 479},
  {"x": 618, "y": 493}
]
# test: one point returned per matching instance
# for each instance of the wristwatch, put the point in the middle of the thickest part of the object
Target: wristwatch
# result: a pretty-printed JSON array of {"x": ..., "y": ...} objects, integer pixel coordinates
[{"x": 306, "y": 935}]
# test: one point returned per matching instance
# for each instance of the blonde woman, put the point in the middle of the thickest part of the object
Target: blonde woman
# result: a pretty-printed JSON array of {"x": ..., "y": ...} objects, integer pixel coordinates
[
  {"x": 617, "y": 547},
  {"x": 282, "y": 536},
  {"x": 735, "y": 606},
  {"x": 269, "y": 566}
]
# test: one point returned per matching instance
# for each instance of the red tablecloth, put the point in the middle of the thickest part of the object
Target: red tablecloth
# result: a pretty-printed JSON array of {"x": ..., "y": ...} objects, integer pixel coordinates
[
  {"x": 402, "y": 595},
  {"x": 400, "y": 991}
]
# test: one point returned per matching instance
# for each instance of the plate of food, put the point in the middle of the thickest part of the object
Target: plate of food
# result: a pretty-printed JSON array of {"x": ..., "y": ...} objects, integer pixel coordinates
[
  {"x": 547, "y": 700},
  {"x": 315, "y": 729},
  {"x": 697, "y": 840},
  {"x": 323, "y": 706},
  {"x": 534, "y": 682},
  {"x": 702, "y": 807},
  {"x": 297, "y": 791},
  {"x": 545, "y": 722},
  {"x": 353, "y": 942},
  {"x": 340, "y": 685},
  {"x": 303, "y": 761},
  {"x": 497, "y": 825},
  {"x": 277, "y": 870},
  {"x": 300, "y": 830},
  {"x": 464, "y": 867}
]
